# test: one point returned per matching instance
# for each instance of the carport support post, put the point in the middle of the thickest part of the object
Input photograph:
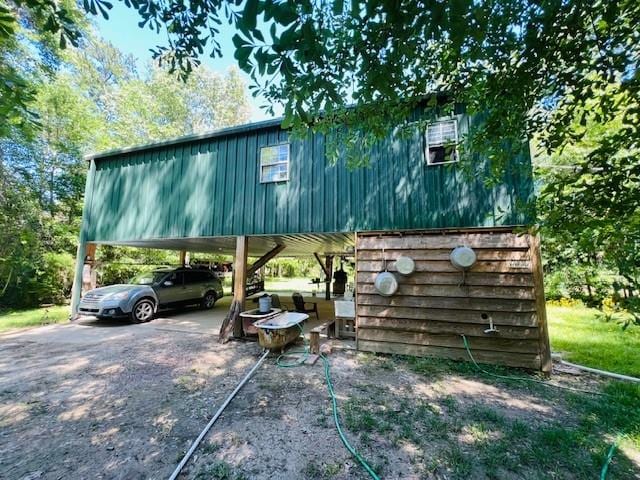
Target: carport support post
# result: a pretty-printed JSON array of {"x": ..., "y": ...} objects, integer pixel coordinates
[
  {"x": 327, "y": 268},
  {"x": 85, "y": 256},
  {"x": 89, "y": 281},
  {"x": 81, "y": 253},
  {"x": 232, "y": 323},
  {"x": 76, "y": 289},
  {"x": 183, "y": 258},
  {"x": 240, "y": 281},
  {"x": 328, "y": 277}
]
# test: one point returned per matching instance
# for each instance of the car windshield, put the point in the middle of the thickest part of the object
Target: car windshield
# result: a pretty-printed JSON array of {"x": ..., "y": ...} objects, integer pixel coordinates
[{"x": 148, "y": 278}]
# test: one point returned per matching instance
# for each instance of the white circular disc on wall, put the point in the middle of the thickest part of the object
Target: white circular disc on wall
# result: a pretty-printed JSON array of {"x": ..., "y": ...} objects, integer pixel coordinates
[
  {"x": 463, "y": 257},
  {"x": 386, "y": 284},
  {"x": 405, "y": 265}
]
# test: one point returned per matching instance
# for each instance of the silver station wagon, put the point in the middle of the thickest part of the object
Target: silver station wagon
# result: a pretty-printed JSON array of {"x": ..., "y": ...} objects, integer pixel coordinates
[{"x": 149, "y": 292}]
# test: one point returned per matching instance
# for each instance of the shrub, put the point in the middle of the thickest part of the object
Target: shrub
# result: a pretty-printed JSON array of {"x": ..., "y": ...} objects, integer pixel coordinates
[
  {"x": 54, "y": 277},
  {"x": 577, "y": 282},
  {"x": 565, "y": 302},
  {"x": 112, "y": 273},
  {"x": 40, "y": 278},
  {"x": 554, "y": 288}
]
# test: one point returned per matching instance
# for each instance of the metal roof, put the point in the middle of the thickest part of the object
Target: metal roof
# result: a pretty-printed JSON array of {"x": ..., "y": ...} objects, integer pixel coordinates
[{"x": 222, "y": 132}]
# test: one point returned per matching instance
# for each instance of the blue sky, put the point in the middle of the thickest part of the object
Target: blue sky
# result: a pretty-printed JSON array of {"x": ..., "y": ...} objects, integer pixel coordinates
[{"x": 122, "y": 30}]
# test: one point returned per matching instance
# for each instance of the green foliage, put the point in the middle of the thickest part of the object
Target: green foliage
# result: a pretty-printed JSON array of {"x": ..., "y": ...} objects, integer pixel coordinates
[
  {"x": 54, "y": 278},
  {"x": 291, "y": 267},
  {"x": 368, "y": 64},
  {"x": 10, "y": 319},
  {"x": 32, "y": 33},
  {"x": 20, "y": 244},
  {"x": 589, "y": 211},
  {"x": 96, "y": 100},
  {"x": 529, "y": 67},
  {"x": 121, "y": 264},
  {"x": 578, "y": 282}
]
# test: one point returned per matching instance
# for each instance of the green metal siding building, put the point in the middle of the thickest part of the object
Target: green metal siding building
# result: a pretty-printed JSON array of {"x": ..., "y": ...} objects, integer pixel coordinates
[
  {"x": 209, "y": 186},
  {"x": 256, "y": 191}
]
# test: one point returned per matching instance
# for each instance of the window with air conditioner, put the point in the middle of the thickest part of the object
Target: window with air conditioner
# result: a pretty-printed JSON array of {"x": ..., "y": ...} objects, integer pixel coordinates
[{"x": 442, "y": 142}]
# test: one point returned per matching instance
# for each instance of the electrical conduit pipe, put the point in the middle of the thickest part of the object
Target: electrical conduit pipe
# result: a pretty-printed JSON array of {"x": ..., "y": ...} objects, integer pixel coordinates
[
  {"x": 206, "y": 429},
  {"x": 605, "y": 373}
]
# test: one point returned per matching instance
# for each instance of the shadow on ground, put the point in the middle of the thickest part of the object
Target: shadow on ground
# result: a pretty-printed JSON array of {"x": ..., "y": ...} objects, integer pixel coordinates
[{"x": 124, "y": 403}]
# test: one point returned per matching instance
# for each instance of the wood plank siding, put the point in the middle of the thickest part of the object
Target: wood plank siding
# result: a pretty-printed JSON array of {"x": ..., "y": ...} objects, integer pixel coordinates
[{"x": 436, "y": 305}]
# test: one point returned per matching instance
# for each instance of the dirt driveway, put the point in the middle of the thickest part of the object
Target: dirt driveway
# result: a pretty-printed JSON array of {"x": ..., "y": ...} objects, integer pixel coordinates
[{"x": 125, "y": 401}]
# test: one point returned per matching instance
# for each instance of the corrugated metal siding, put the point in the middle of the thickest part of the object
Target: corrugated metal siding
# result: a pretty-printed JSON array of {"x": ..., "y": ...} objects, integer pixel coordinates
[{"x": 211, "y": 187}]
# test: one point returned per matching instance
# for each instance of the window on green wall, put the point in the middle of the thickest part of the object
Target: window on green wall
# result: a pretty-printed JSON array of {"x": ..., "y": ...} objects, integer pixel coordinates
[
  {"x": 274, "y": 163},
  {"x": 442, "y": 141}
]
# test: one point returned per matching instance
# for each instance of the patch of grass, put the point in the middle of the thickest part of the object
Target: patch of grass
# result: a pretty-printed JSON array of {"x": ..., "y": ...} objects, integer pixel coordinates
[
  {"x": 459, "y": 462},
  {"x": 33, "y": 317},
  {"x": 462, "y": 440},
  {"x": 478, "y": 432},
  {"x": 312, "y": 470},
  {"x": 332, "y": 469},
  {"x": 450, "y": 402},
  {"x": 480, "y": 412},
  {"x": 217, "y": 471},
  {"x": 323, "y": 471},
  {"x": 285, "y": 284},
  {"x": 187, "y": 384},
  {"x": 210, "y": 448},
  {"x": 321, "y": 418},
  {"x": 458, "y": 439},
  {"x": 438, "y": 369},
  {"x": 585, "y": 339}
]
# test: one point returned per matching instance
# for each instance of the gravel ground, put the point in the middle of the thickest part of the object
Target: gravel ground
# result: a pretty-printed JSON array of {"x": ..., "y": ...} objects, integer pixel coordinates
[{"x": 126, "y": 404}]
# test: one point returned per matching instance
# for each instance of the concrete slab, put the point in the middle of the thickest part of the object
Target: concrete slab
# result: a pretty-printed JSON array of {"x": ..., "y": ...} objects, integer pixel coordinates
[
  {"x": 90, "y": 330},
  {"x": 193, "y": 320}
]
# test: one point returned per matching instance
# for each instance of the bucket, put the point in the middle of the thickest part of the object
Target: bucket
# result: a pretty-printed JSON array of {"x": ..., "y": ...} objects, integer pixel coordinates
[{"x": 264, "y": 303}]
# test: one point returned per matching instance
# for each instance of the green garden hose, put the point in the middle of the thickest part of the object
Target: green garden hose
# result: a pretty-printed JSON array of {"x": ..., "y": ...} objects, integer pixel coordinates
[
  {"x": 334, "y": 401},
  {"x": 605, "y": 467},
  {"x": 281, "y": 364},
  {"x": 607, "y": 461},
  {"x": 523, "y": 379}
]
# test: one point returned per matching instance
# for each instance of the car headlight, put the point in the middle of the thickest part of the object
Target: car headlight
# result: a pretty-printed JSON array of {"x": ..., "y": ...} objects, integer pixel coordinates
[{"x": 119, "y": 296}]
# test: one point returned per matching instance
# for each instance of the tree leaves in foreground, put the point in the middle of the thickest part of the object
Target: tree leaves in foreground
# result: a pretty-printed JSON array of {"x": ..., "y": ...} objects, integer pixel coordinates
[
  {"x": 531, "y": 67},
  {"x": 589, "y": 208},
  {"x": 32, "y": 34}
]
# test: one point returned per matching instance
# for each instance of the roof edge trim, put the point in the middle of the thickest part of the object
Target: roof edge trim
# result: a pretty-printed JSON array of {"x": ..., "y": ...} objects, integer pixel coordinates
[{"x": 235, "y": 130}]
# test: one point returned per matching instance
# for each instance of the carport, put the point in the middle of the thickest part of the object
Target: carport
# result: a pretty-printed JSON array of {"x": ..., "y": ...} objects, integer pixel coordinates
[
  {"x": 247, "y": 192},
  {"x": 261, "y": 248}
]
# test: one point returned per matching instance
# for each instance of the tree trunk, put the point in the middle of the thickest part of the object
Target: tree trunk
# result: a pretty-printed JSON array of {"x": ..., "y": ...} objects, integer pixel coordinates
[{"x": 589, "y": 290}]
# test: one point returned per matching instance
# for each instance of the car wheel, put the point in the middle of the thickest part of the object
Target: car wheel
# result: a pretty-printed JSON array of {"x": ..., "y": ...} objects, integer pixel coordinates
[
  {"x": 209, "y": 300},
  {"x": 142, "y": 311}
]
